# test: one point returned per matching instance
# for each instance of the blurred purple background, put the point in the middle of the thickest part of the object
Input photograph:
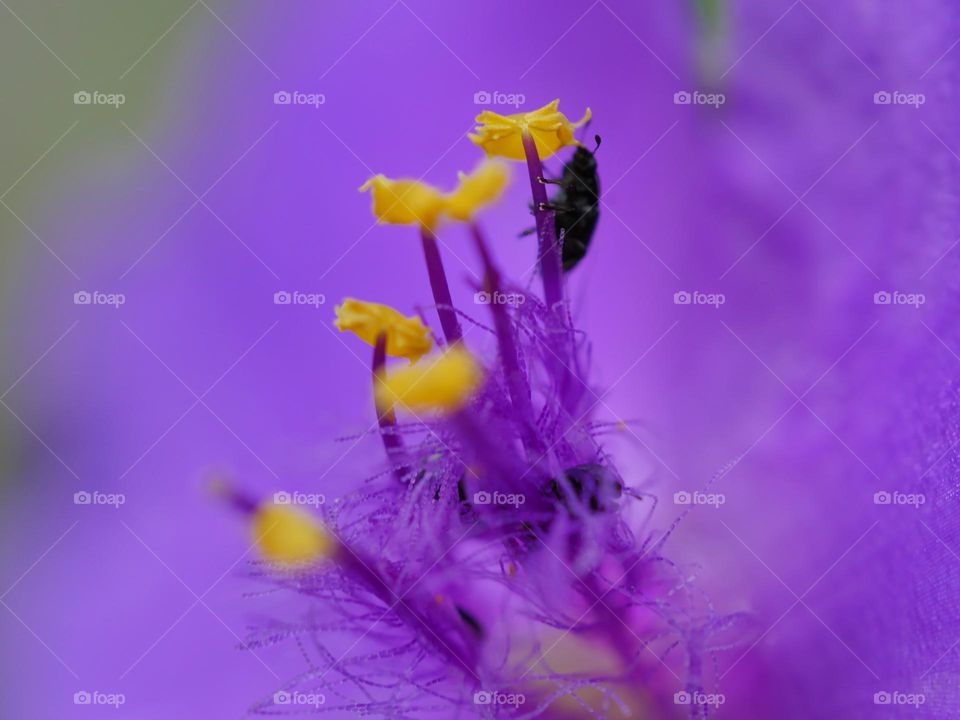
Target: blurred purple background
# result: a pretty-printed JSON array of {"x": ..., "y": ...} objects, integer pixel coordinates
[{"x": 797, "y": 199}]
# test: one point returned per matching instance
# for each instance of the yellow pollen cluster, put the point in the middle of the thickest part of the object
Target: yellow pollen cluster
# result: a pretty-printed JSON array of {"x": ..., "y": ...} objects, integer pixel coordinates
[
  {"x": 289, "y": 536},
  {"x": 412, "y": 202},
  {"x": 502, "y": 135},
  {"x": 442, "y": 383},
  {"x": 407, "y": 337}
]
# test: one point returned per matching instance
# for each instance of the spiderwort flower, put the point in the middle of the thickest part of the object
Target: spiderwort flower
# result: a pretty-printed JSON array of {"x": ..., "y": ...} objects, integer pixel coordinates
[
  {"x": 442, "y": 383},
  {"x": 505, "y": 463},
  {"x": 406, "y": 337}
]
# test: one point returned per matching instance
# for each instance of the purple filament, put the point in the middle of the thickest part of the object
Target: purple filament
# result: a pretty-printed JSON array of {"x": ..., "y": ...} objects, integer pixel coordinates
[
  {"x": 516, "y": 379},
  {"x": 441, "y": 290},
  {"x": 548, "y": 254},
  {"x": 392, "y": 442}
]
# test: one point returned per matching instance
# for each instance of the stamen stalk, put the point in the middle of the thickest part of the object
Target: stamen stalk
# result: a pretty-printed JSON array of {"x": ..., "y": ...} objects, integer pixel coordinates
[
  {"x": 549, "y": 251},
  {"x": 516, "y": 379},
  {"x": 392, "y": 442},
  {"x": 552, "y": 273},
  {"x": 441, "y": 290}
]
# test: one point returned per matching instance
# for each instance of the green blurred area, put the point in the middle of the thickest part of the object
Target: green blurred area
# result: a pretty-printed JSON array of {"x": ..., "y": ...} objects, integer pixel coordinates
[
  {"x": 51, "y": 50},
  {"x": 710, "y": 13},
  {"x": 713, "y": 21}
]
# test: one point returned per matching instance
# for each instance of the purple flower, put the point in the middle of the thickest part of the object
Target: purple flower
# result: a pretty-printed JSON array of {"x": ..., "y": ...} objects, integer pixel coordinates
[
  {"x": 500, "y": 534},
  {"x": 771, "y": 162}
]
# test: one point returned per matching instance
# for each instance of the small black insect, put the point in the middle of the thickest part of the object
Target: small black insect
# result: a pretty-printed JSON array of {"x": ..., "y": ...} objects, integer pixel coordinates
[
  {"x": 576, "y": 204},
  {"x": 591, "y": 485}
]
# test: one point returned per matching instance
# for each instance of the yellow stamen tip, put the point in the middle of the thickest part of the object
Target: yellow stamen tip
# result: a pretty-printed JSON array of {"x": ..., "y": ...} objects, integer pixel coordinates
[
  {"x": 478, "y": 189},
  {"x": 407, "y": 337},
  {"x": 404, "y": 201},
  {"x": 289, "y": 536},
  {"x": 445, "y": 383},
  {"x": 411, "y": 202},
  {"x": 502, "y": 135}
]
